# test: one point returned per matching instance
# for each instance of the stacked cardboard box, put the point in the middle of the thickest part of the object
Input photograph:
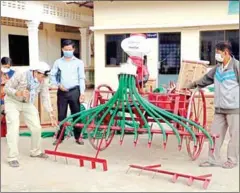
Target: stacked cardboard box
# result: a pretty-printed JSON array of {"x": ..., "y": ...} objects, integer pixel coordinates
[
  {"x": 191, "y": 71},
  {"x": 150, "y": 85},
  {"x": 44, "y": 116},
  {"x": 210, "y": 109},
  {"x": 209, "y": 99}
]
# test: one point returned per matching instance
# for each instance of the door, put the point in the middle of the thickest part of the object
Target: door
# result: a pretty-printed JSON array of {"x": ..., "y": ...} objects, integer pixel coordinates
[{"x": 169, "y": 57}]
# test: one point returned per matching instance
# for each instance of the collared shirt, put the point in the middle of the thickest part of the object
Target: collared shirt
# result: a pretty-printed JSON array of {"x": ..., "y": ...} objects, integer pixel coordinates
[
  {"x": 19, "y": 82},
  {"x": 225, "y": 67},
  {"x": 72, "y": 73}
]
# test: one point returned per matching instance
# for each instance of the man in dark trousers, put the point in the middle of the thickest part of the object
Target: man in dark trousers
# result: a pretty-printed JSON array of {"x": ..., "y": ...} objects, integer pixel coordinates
[
  {"x": 225, "y": 76},
  {"x": 69, "y": 75}
]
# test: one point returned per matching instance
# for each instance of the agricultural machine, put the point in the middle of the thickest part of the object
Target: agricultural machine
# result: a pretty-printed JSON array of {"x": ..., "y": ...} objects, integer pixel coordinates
[{"x": 182, "y": 111}]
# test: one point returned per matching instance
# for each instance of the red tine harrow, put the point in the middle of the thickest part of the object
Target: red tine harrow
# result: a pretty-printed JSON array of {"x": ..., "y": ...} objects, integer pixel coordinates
[
  {"x": 152, "y": 168},
  {"x": 177, "y": 109}
]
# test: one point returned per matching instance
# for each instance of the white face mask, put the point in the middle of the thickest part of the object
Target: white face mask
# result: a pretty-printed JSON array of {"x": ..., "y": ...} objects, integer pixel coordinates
[
  {"x": 218, "y": 57},
  {"x": 5, "y": 70}
]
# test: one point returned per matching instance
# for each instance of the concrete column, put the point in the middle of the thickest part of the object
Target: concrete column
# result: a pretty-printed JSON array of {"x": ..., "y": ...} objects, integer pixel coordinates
[
  {"x": 85, "y": 45},
  {"x": 33, "y": 41}
]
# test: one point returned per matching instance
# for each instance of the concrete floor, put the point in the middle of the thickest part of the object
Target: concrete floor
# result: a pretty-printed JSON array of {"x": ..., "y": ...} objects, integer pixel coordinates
[{"x": 47, "y": 175}]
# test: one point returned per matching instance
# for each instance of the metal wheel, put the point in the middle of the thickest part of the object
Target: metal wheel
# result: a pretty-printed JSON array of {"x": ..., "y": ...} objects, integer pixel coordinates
[
  {"x": 197, "y": 113},
  {"x": 96, "y": 142},
  {"x": 102, "y": 94}
]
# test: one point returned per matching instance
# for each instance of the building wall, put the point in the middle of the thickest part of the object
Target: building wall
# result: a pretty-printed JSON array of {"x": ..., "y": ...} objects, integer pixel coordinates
[
  {"x": 160, "y": 12},
  {"x": 166, "y": 16},
  {"x": 49, "y": 41}
]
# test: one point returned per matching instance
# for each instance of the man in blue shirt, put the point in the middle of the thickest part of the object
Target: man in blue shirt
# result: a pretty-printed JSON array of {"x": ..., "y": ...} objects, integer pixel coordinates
[{"x": 69, "y": 75}]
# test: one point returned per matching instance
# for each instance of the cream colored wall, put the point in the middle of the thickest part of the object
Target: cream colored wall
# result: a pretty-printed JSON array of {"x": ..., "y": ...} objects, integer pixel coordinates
[
  {"x": 49, "y": 41},
  {"x": 142, "y": 13},
  {"x": 159, "y": 12}
]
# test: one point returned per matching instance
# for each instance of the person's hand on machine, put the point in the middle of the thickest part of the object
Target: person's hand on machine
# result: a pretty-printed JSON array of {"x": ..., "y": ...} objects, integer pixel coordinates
[{"x": 191, "y": 85}]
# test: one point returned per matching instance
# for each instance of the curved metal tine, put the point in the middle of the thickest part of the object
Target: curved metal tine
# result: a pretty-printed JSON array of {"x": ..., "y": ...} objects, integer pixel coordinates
[
  {"x": 55, "y": 158},
  {"x": 154, "y": 175},
  {"x": 140, "y": 172},
  {"x": 66, "y": 160},
  {"x": 128, "y": 170}
]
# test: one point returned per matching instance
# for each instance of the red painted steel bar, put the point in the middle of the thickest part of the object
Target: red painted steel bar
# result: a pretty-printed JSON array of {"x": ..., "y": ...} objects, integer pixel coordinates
[
  {"x": 205, "y": 178},
  {"x": 81, "y": 158}
]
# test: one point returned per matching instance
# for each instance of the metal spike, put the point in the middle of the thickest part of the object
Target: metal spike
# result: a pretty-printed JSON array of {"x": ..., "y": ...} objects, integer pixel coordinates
[
  {"x": 149, "y": 144},
  {"x": 66, "y": 160},
  {"x": 128, "y": 170},
  {"x": 135, "y": 143},
  {"x": 140, "y": 172},
  {"x": 154, "y": 175},
  {"x": 164, "y": 145},
  {"x": 179, "y": 147},
  {"x": 121, "y": 141}
]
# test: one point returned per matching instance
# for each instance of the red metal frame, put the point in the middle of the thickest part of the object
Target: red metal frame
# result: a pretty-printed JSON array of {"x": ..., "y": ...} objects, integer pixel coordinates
[
  {"x": 175, "y": 101},
  {"x": 81, "y": 158},
  {"x": 152, "y": 168},
  {"x": 3, "y": 130}
]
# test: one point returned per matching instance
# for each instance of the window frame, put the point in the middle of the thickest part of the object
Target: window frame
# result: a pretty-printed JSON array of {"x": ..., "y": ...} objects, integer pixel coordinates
[
  {"x": 105, "y": 46},
  {"x": 15, "y": 64},
  {"x": 158, "y": 36},
  {"x": 213, "y": 30}
]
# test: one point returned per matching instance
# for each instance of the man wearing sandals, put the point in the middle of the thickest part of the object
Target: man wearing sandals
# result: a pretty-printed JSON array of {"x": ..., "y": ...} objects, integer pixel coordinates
[
  {"x": 21, "y": 91},
  {"x": 225, "y": 76}
]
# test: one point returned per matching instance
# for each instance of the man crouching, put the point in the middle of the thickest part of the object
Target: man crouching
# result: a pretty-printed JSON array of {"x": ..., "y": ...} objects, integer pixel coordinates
[{"x": 21, "y": 91}]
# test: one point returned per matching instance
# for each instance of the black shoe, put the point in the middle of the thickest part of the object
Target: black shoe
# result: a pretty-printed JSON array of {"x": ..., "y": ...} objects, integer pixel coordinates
[
  {"x": 13, "y": 164},
  {"x": 56, "y": 141},
  {"x": 79, "y": 142}
]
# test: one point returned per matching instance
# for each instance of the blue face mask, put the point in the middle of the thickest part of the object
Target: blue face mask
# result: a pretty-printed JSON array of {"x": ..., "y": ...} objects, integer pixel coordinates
[{"x": 68, "y": 54}]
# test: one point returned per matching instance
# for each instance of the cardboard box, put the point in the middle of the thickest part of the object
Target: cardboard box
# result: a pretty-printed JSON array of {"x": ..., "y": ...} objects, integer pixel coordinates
[
  {"x": 44, "y": 116},
  {"x": 209, "y": 109},
  {"x": 191, "y": 71},
  {"x": 150, "y": 85}
]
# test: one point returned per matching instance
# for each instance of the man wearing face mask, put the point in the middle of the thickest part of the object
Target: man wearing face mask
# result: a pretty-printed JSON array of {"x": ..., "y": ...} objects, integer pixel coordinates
[
  {"x": 69, "y": 76},
  {"x": 21, "y": 91},
  {"x": 6, "y": 66},
  {"x": 225, "y": 76},
  {"x": 6, "y": 74}
]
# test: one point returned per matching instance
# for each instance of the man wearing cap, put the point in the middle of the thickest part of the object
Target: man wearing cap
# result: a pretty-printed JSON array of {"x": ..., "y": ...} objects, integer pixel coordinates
[{"x": 21, "y": 91}]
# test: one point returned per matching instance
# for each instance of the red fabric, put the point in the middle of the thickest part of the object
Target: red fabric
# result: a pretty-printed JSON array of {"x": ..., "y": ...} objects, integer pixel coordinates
[
  {"x": 141, "y": 69},
  {"x": 139, "y": 34}
]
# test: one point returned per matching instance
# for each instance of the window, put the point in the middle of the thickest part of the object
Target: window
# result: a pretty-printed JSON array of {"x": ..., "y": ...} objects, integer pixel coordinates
[
  {"x": 19, "y": 50},
  {"x": 209, "y": 39},
  {"x": 114, "y": 53},
  {"x": 169, "y": 53},
  {"x": 77, "y": 48}
]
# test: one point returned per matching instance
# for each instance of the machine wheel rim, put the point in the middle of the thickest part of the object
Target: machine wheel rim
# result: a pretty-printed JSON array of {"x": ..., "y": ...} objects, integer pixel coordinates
[{"x": 195, "y": 153}]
